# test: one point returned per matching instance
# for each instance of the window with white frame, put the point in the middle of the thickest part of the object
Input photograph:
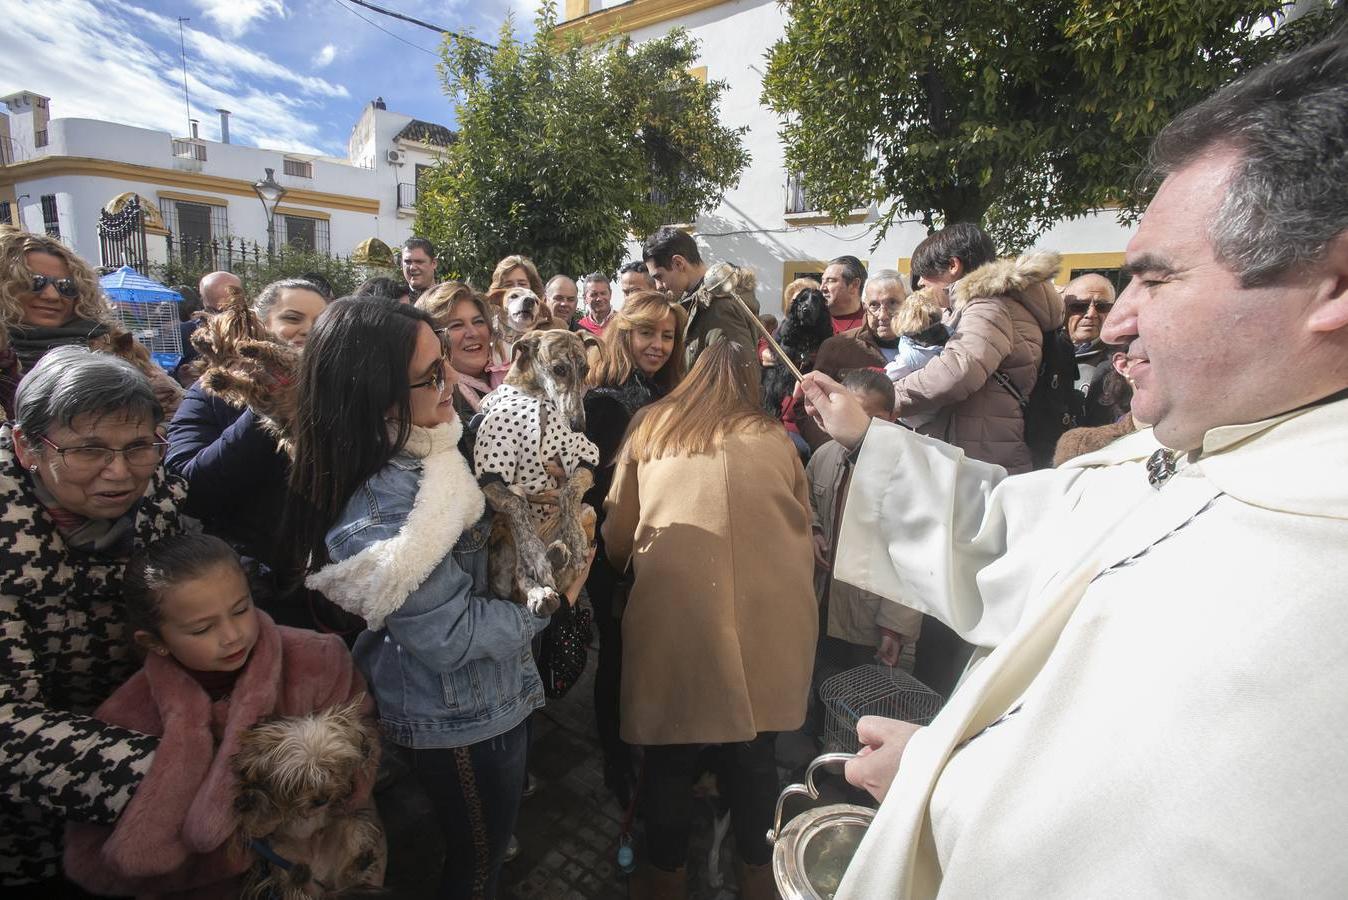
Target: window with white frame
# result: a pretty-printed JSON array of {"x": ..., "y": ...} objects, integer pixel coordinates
[{"x": 299, "y": 168}]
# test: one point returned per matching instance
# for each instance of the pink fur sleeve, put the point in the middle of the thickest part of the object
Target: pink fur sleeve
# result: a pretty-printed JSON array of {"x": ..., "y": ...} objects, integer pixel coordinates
[{"x": 142, "y": 852}]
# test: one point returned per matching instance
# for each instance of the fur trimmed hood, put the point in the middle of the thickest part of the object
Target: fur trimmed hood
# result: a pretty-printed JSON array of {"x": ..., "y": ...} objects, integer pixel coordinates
[
  {"x": 377, "y": 581},
  {"x": 1027, "y": 278}
]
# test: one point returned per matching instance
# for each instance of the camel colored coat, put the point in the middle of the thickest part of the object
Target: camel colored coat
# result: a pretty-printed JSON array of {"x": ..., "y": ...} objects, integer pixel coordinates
[{"x": 720, "y": 627}]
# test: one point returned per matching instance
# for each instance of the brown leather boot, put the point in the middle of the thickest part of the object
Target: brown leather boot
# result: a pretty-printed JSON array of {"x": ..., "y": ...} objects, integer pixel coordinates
[
  {"x": 653, "y": 883},
  {"x": 756, "y": 882}
]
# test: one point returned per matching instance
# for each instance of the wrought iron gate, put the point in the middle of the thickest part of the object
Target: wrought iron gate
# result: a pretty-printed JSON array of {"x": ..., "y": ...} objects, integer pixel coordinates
[{"x": 121, "y": 237}]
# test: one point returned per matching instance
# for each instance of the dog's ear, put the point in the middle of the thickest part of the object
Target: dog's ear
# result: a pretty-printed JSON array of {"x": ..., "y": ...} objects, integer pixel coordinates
[
  {"x": 526, "y": 348},
  {"x": 258, "y": 815}
]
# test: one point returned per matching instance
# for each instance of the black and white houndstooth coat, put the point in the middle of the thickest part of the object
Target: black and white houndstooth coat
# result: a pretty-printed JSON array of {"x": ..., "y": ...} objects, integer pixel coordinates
[{"x": 63, "y": 650}]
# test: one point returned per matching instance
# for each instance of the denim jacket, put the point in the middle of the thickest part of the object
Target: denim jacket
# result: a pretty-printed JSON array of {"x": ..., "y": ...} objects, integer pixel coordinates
[{"x": 448, "y": 665}]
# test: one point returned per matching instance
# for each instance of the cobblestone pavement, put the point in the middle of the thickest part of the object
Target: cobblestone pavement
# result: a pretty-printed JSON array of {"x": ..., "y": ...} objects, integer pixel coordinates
[{"x": 569, "y": 829}]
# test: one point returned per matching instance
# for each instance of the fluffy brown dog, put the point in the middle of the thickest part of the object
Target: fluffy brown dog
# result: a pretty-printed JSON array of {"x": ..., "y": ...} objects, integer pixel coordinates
[
  {"x": 535, "y": 463},
  {"x": 297, "y": 780},
  {"x": 246, "y": 366}
]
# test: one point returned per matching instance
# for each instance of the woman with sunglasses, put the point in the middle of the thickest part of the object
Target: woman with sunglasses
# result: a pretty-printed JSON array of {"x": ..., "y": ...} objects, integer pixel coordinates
[
  {"x": 396, "y": 531},
  {"x": 82, "y": 489},
  {"x": 49, "y": 297}
]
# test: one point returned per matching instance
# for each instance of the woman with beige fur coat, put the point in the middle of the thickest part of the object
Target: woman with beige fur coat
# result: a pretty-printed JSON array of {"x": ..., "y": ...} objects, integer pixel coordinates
[
  {"x": 711, "y": 506},
  {"x": 997, "y": 319}
]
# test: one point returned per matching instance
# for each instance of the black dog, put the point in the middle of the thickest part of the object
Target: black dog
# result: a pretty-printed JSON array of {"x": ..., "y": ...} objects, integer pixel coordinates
[{"x": 807, "y": 325}]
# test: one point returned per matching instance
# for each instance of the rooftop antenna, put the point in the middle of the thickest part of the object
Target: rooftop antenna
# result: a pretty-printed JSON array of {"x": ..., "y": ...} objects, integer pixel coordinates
[{"x": 182, "y": 45}]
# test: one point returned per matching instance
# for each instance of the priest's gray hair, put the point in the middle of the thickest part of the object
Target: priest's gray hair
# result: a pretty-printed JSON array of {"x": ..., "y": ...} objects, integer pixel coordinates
[
  {"x": 69, "y": 382},
  {"x": 1289, "y": 121}
]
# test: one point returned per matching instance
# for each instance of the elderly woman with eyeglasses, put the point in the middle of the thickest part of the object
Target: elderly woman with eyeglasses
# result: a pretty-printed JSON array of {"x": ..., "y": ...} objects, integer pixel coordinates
[
  {"x": 81, "y": 489},
  {"x": 49, "y": 297}
]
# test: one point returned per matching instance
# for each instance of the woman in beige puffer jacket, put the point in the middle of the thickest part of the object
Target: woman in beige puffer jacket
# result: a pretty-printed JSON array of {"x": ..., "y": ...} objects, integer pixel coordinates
[{"x": 999, "y": 314}]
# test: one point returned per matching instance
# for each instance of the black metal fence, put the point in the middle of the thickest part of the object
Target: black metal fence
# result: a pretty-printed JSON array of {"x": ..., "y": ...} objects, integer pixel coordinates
[{"x": 231, "y": 253}]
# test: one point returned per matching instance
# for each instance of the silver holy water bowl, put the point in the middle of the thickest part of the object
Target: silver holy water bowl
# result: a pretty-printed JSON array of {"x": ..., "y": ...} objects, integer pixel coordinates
[{"x": 810, "y": 855}]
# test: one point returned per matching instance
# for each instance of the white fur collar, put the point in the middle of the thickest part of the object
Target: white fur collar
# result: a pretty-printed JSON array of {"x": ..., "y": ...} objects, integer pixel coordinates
[{"x": 377, "y": 581}]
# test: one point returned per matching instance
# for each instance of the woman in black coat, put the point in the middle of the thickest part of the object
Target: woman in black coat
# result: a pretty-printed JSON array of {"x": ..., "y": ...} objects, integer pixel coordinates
[{"x": 643, "y": 361}]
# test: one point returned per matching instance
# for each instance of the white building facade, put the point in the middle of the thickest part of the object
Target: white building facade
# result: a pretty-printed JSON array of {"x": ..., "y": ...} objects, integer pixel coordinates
[
  {"x": 761, "y": 222},
  {"x": 57, "y": 175}
]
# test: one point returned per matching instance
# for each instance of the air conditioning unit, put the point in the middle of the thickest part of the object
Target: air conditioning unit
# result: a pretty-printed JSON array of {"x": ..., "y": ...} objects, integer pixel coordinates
[{"x": 396, "y": 157}]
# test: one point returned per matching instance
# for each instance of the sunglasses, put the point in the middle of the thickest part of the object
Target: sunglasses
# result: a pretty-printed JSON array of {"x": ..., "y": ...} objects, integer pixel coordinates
[
  {"x": 66, "y": 287},
  {"x": 1079, "y": 307},
  {"x": 437, "y": 379}
]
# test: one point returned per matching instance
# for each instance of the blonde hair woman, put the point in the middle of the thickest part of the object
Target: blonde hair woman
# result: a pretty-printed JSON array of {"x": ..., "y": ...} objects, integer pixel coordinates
[
  {"x": 642, "y": 362},
  {"x": 49, "y": 297},
  {"x": 465, "y": 325},
  {"x": 710, "y": 504}
]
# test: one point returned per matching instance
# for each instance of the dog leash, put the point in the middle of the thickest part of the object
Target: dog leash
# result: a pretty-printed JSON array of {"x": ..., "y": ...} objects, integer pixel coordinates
[{"x": 264, "y": 850}]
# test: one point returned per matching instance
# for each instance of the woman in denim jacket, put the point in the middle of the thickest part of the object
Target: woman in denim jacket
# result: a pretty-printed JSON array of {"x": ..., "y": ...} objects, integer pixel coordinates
[{"x": 394, "y": 523}]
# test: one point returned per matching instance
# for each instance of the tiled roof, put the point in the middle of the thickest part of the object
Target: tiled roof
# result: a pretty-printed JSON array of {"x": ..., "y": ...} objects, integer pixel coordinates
[{"x": 426, "y": 133}]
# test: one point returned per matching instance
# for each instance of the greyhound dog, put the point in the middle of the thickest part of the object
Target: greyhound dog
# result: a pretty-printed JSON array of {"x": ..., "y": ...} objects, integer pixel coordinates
[
  {"x": 534, "y": 464},
  {"x": 523, "y": 311}
]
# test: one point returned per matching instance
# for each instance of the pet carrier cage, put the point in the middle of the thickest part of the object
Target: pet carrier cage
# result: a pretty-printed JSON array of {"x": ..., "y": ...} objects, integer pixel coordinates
[
  {"x": 872, "y": 691},
  {"x": 149, "y": 311}
]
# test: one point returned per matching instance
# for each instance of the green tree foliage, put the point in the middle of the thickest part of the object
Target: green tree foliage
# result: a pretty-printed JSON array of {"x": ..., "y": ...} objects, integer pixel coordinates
[
  {"x": 564, "y": 149},
  {"x": 258, "y": 271},
  {"x": 1015, "y": 113}
]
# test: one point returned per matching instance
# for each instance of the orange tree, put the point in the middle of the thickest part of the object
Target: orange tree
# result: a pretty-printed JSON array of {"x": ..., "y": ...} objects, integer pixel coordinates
[{"x": 1012, "y": 113}]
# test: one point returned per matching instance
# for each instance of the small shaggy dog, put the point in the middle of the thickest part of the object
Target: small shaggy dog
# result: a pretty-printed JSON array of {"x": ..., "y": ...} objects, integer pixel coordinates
[
  {"x": 807, "y": 325},
  {"x": 297, "y": 776},
  {"x": 246, "y": 366},
  {"x": 534, "y": 464}
]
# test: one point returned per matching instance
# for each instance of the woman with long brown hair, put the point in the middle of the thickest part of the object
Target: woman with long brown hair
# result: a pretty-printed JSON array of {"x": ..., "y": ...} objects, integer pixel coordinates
[
  {"x": 642, "y": 361},
  {"x": 718, "y": 634}
]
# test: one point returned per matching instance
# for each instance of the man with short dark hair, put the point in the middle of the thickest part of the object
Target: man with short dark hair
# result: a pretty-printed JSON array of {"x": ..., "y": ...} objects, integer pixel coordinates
[
  {"x": 598, "y": 302},
  {"x": 633, "y": 277},
  {"x": 708, "y": 295},
  {"x": 842, "y": 284},
  {"x": 418, "y": 264},
  {"x": 946, "y": 256},
  {"x": 560, "y": 296},
  {"x": 1160, "y": 621}
]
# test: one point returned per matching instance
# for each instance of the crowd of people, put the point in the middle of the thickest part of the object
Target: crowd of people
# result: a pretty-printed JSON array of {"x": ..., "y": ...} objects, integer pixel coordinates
[{"x": 1111, "y": 517}]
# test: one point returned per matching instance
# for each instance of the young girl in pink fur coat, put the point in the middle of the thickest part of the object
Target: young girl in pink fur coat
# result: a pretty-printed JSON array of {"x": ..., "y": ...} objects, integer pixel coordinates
[{"x": 216, "y": 665}]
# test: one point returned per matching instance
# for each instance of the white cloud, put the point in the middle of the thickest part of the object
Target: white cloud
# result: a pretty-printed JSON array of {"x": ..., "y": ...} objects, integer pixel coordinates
[
  {"x": 325, "y": 56},
  {"x": 95, "y": 61},
  {"x": 236, "y": 16}
]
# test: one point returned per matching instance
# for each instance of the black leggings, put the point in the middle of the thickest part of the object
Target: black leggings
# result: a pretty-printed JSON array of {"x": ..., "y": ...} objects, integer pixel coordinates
[
  {"x": 608, "y": 669},
  {"x": 749, "y": 779}
]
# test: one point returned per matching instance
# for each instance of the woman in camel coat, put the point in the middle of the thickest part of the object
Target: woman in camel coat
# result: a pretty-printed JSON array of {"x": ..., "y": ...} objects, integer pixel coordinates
[{"x": 710, "y": 504}]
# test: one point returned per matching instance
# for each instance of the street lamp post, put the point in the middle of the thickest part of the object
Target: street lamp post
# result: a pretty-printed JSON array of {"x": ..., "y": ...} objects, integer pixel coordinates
[{"x": 270, "y": 193}]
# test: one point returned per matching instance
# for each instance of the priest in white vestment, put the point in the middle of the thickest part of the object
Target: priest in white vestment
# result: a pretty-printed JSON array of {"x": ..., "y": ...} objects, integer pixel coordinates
[{"x": 1158, "y": 704}]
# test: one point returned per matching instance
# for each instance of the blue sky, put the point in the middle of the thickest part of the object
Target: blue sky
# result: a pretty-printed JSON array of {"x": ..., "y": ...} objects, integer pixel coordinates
[{"x": 294, "y": 73}]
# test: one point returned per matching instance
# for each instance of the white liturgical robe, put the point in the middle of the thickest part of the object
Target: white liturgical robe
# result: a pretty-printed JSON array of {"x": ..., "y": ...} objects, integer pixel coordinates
[{"x": 1165, "y": 669}]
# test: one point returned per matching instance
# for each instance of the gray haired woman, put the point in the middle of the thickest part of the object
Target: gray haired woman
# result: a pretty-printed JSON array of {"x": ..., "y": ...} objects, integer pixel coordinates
[{"x": 81, "y": 489}]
